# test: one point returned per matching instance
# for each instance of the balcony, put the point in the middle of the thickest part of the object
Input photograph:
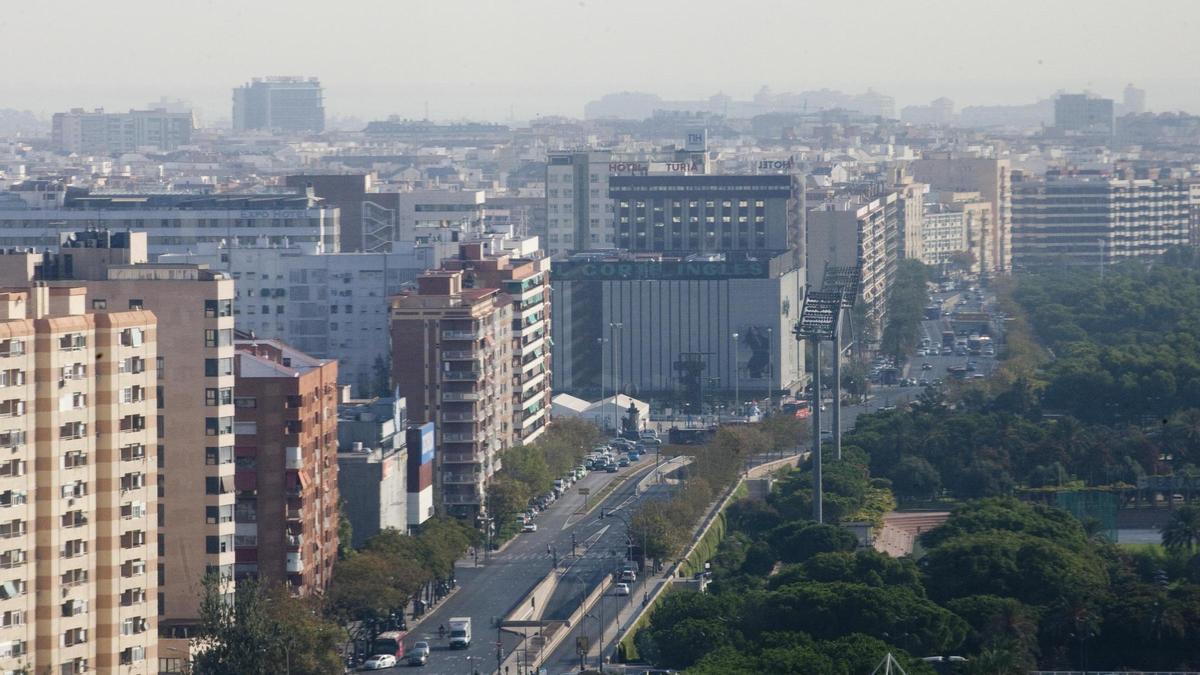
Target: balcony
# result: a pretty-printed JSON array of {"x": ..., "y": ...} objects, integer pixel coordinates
[
  {"x": 295, "y": 514},
  {"x": 461, "y": 335},
  {"x": 295, "y": 540},
  {"x": 452, "y": 396},
  {"x": 460, "y": 499},
  {"x": 295, "y": 564},
  {"x": 463, "y": 417},
  {"x": 460, "y": 355},
  {"x": 461, "y": 375},
  {"x": 459, "y": 438},
  {"x": 294, "y": 459},
  {"x": 460, "y": 478},
  {"x": 459, "y": 458}
]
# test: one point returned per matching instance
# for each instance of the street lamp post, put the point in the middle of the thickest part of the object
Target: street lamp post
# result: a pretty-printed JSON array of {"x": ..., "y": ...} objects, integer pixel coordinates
[
  {"x": 615, "y": 353},
  {"x": 770, "y": 370},
  {"x": 737, "y": 385}
]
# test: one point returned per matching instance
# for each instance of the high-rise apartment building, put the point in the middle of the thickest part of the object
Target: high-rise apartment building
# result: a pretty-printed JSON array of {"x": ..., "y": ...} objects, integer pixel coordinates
[
  {"x": 1095, "y": 220},
  {"x": 991, "y": 179},
  {"x": 101, "y": 133},
  {"x": 855, "y": 230},
  {"x": 452, "y": 359},
  {"x": 910, "y": 211},
  {"x": 945, "y": 234},
  {"x": 78, "y": 502},
  {"x": 285, "y": 433},
  {"x": 195, "y": 442},
  {"x": 289, "y": 104},
  {"x": 1084, "y": 113},
  {"x": 527, "y": 282}
]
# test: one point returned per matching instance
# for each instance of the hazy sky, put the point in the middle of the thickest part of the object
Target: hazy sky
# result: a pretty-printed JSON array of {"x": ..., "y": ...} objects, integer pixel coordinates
[{"x": 485, "y": 59}]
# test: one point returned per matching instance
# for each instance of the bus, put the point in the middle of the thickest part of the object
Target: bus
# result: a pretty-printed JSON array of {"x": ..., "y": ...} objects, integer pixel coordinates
[
  {"x": 947, "y": 338},
  {"x": 933, "y": 312},
  {"x": 391, "y": 642}
]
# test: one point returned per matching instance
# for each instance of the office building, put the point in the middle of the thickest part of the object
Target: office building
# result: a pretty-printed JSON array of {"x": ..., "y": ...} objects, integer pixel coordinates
[
  {"x": 328, "y": 305},
  {"x": 175, "y": 221},
  {"x": 681, "y": 215},
  {"x": 526, "y": 281},
  {"x": 285, "y": 445},
  {"x": 77, "y": 488},
  {"x": 99, "y": 133},
  {"x": 452, "y": 360},
  {"x": 346, "y": 192},
  {"x": 678, "y": 329},
  {"x": 991, "y": 179},
  {"x": 579, "y": 207},
  {"x": 195, "y": 445},
  {"x": 1083, "y": 113},
  {"x": 373, "y": 465},
  {"x": 287, "y": 104},
  {"x": 1096, "y": 220},
  {"x": 855, "y": 230}
]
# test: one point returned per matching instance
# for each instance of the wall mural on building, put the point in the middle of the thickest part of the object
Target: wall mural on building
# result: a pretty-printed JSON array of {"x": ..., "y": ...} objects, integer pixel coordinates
[{"x": 758, "y": 339}]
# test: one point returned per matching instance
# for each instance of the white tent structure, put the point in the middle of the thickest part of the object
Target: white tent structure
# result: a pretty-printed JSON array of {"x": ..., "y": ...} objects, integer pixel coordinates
[{"x": 605, "y": 413}]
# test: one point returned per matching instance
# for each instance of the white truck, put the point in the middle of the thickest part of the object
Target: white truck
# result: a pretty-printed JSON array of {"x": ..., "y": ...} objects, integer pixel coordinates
[{"x": 460, "y": 632}]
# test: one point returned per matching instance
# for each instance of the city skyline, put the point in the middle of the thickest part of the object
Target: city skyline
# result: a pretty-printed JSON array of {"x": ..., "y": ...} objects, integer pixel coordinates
[{"x": 451, "y": 69}]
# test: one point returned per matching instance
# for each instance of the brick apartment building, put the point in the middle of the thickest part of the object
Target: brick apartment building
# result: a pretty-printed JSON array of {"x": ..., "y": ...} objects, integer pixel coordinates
[
  {"x": 285, "y": 429},
  {"x": 452, "y": 357}
]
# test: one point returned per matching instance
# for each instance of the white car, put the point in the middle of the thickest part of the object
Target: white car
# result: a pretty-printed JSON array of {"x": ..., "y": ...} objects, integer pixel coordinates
[
  {"x": 380, "y": 662},
  {"x": 621, "y": 589},
  {"x": 529, "y": 527}
]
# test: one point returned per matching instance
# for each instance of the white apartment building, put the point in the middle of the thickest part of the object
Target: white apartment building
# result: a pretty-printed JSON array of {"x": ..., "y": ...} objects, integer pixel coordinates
[
  {"x": 327, "y": 305},
  {"x": 579, "y": 212},
  {"x": 101, "y": 133},
  {"x": 945, "y": 234},
  {"x": 37, "y": 215}
]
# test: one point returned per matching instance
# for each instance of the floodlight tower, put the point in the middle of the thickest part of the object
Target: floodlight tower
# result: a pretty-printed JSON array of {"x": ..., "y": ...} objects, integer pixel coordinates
[
  {"x": 818, "y": 319},
  {"x": 844, "y": 280}
]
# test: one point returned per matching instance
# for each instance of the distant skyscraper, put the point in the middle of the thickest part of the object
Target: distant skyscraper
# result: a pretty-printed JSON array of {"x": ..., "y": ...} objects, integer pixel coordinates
[
  {"x": 1134, "y": 101},
  {"x": 280, "y": 104},
  {"x": 1083, "y": 112}
]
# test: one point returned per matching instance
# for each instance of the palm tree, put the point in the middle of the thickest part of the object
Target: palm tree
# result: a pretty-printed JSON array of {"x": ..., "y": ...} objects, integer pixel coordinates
[{"x": 1182, "y": 531}]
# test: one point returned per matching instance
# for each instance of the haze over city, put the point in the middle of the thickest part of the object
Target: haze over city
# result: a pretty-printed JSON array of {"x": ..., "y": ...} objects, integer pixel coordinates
[
  {"x": 532, "y": 337},
  {"x": 502, "y": 59}
]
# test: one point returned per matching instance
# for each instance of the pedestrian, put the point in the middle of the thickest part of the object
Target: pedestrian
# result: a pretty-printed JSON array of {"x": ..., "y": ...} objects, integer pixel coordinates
[{"x": 547, "y": 549}]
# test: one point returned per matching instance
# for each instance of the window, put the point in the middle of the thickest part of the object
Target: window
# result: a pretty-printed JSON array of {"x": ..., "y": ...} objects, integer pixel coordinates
[
  {"x": 75, "y": 458},
  {"x": 133, "y": 423},
  {"x": 12, "y": 558},
  {"x": 133, "y": 539},
  {"x": 72, "y": 341},
  {"x": 218, "y": 367},
  {"x": 73, "y": 636},
  {"x": 247, "y": 428},
  {"x": 134, "y": 480},
  {"x": 132, "y": 655},
  {"x": 133, "y": 452},
  {"x": 133, "y": 568},
  {"x": 12, "y": 618},
  {"x": 130, "y": 510},
  {"x": 218, "y": 396},
  {"x": 12, "y": 528},
  {"x": 99, "y": 303},
  {"x": 245, "y": 402},
  {"x": 218, "y": 308},
  {"x": 73, "y": 430},
  {"x": 133, "y": 596},
  {"x": 218, "y": 485},
  {"x": 136, "y": 303},
  {"x": 133, "y": 337},
  {"x": 215, "y": 426},
  {"x": 73, "y": 548},
  {"x": 214, "y": 337},
  {"x": 218, "y": 455},
  {"x": 133, "y": 626}
]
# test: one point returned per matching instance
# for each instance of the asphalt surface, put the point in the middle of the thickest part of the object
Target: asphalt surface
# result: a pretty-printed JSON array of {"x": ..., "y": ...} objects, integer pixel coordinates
[{"x": 488, "y": 592}]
